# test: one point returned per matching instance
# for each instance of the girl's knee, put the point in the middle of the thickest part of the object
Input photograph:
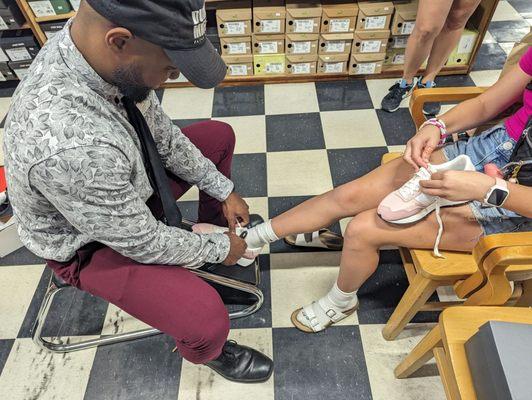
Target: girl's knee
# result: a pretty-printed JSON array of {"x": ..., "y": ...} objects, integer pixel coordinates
[
  {"x": 363, "y": 229},
  {"x": 426, "y": 31}
]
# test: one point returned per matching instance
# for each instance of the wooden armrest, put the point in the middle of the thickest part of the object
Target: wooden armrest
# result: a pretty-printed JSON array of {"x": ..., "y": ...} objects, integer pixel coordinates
[
  {"x": 421, "y": 96},
  {"x": 515, "y": 243}
]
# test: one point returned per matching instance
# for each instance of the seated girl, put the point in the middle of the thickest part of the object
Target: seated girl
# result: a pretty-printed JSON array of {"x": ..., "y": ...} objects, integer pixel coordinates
[{"x": 414, "y": 186}]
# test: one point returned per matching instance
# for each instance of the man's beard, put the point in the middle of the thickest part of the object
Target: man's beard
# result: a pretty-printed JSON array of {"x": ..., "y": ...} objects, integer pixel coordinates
[{"x": 128, "y": 79}]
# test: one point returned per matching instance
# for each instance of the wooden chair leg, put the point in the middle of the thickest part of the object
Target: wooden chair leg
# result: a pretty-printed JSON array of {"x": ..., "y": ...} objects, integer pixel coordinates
[
  {"x": 446, "y": 374},
  {"x": 415, "y": 297},
  {"x": 419, "y": 354}
]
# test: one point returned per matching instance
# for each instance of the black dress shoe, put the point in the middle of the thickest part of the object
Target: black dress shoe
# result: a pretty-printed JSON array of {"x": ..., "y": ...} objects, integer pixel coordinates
[{"x": 242, "y": 364}]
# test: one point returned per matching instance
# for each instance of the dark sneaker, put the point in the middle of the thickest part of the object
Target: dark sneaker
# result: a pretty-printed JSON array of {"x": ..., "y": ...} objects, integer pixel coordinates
[
  {"x": 242, "y": 364},
  {"x": 397, "y": 93},
  {"x": 429, "y": 109}
]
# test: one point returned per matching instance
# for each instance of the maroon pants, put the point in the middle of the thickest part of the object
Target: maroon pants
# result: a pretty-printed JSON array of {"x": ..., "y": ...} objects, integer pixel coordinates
[{"x": 169, "y": 298}]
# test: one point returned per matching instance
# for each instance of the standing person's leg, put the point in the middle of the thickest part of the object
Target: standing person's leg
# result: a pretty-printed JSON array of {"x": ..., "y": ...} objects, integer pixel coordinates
[
  {"x": 431, "y": 16},
  {"x": 449, "y": 36},
  {"x": 364, "y": 235},
  {"x": 216, "y": 141}
]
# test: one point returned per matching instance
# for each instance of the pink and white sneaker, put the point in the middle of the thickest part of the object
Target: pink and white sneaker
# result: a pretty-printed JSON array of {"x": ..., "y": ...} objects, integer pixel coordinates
[
  {"x": 251, "y": 253},
  {"x": 408, "y": 204}
]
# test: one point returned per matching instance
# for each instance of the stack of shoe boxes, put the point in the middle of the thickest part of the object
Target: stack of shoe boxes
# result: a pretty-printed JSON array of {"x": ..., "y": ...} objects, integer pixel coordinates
[
  {"x": 234, "y": 30},
  {"x": 20, "y": 47},
  {"x": 49, "y": 7},
  {"x": 371, "y": 37},
  {"x": 51, "y": 29},
  {"x": 336, "y": 37},
  {"x": 10, "y": 15},
  {"x": 268, "y": 40},
  {"x": 402, "y": 26},
  {"x": 461, "y": 54}
]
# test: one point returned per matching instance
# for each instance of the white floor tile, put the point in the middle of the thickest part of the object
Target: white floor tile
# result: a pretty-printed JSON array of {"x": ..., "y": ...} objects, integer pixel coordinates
[
  {"x": 382, "y": 357},
  {"x": 378, "y": 88},
  {"x": 118, "y": 321},
  {"x": 17, "y": 287},
  {"x": 290, "y": 98},
  {"x": 200, "y": 382},
  {"x": 191, "y": 195},
  {"x": 187, "y": 103},
  {"x": 298, "y": 173},
  {"x": 32, "y": 373},
  {"x": 507, "y": 47},
  {"x": 295, "y": 287},
  {"x": 485, "y": 78},
  {"x": 505, "y": 12},
  {"x": 352, "y": 128},
  {"x": 250, "y": 132},
  {"x": 488, "y": 38}
]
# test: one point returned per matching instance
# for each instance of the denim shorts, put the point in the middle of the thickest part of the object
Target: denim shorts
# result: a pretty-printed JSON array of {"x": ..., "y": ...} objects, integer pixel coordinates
[{"x": 492, "y": 146}]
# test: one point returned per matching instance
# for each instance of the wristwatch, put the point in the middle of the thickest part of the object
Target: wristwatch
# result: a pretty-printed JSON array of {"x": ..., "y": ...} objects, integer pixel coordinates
[{"x": 497, "y": 194}]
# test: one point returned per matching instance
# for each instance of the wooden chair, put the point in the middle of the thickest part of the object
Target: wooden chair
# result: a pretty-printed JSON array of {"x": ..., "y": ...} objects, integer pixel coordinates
[
  {"x": 426, "y": 273},
  {"x": 446, "y": 343}
]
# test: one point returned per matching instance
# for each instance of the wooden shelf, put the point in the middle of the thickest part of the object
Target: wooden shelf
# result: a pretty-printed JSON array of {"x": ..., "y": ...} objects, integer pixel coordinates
[{"x": 55, "y": 17}]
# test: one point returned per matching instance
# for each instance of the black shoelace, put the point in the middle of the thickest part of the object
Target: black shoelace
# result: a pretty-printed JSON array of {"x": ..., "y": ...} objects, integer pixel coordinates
[{"x": 397, "y": 92}]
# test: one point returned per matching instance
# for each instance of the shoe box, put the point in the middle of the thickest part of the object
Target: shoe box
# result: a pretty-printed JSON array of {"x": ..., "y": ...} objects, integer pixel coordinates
[
  {"x": 75, "y": 4},
  {"x": 461, "y": 54},
  {"x": 366, "y": 63},
  {"x": 232, "y": 46},
  {"x": 301, "y": 64},
  {"x": 374, "y": 15},
  {"x": 404, "y": 19},
  {"x": 269, "y": 17},
  {"x": 49, "y": 7},
  {"x": 10, "y": 15},
  {"x": 6, "y": 74},
  {"x": 234, "y": 19},
  {"x": 332, "y": 64},
  {"x": 335, "y": 43},
  {"x": 338, "y": 16},
  {"x": 371, "y": 41},
  {"x": 303, "y": 16},
  {"x": 239, "y": 65},
  {"x": 20, "y": 68},
  {"x": 397, "y": 42},
  {"x": 269, "y": 64},
  {"x": 302, "y": 43},
  {"x": 51, "y": 29},
  {"x": 268, "y": 44},
  {"x": 19, "y": 46}
]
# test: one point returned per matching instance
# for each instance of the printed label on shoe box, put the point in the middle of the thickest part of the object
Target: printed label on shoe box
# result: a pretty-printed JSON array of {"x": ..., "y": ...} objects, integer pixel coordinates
[
  {"x": 42, "y": 8},
  {"x": 367, "y": 68},
  {"x": 339, "y": 25},
  {"x": 238, "y": 69},
  {"x": 407, "y": 27},
  {"x": 235, "y": 28},
  {"x": 301, "y": 47},
  {"x": 274, "y": 68},
  {"x": 268, "y": 47},
  {"x": 335, "y": 47},
  {"x": 398, "y": 59},
  {"x": 18, "y": 54},
  {"x": 236, "y": 48},
  {"x": 303, "y": 26},
  {"x": 334, "y": 67},
  {"x": 301, "y": 68},
  {"x": 375, "y": 22},
  {"x": 399, "y": 42},
  {"x": 370, "y": 46},
  {"x": 270, "y": 26}
]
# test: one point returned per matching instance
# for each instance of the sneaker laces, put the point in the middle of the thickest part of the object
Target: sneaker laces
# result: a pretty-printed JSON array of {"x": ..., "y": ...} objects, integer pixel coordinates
[
  {"x": 396, "y": 91},
  {"x": 436, "y": 249},
  {"x": 411, "y": 187}
]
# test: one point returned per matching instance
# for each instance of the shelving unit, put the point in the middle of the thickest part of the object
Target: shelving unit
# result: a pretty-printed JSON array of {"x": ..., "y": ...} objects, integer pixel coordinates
[{"x": 483, "y": 17}]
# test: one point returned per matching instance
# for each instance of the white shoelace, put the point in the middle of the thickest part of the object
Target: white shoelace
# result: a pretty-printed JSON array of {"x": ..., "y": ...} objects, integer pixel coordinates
[{"x": 436, "y": 250}]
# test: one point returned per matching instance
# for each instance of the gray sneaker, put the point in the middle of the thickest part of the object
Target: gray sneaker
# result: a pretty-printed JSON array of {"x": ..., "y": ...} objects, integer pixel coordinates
[
  {"x": 433, "y": 108},
  {"x": 399, "y": 91}
]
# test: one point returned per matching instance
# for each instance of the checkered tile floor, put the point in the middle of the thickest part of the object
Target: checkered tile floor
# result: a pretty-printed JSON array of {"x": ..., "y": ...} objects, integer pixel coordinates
[{"x": 293, "y": 141}]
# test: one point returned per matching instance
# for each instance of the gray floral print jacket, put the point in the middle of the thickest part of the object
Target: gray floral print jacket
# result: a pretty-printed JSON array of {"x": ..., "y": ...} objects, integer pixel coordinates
[{"x": 75, "y": 171}]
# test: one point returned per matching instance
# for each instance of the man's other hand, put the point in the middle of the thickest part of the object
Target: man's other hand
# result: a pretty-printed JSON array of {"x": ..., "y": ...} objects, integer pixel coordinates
[
  {"x": 235, "y": 209},
  {"x": 237, "y": 250}
]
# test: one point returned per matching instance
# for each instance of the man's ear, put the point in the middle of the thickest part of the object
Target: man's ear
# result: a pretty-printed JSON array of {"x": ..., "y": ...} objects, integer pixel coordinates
[{"x": 117, "y": 39}]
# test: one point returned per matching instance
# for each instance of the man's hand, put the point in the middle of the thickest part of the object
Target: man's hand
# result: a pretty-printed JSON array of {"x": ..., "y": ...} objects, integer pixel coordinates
[
  {"x": 237, "y": 250},
  {"x": 421, "y": 146},
  {"x": 235, "y": 209},
  {"x": 458, "y": 185}
]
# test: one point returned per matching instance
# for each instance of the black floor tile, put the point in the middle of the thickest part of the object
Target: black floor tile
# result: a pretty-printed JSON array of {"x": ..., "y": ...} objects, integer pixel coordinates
[
  {"x": 508, "y": 31},
  {"x": 343, "y": 95},
  {"x": 5, "y": 349},
  {"x": 277, "y": 206},
  {"x": 382, "y": 292},
  {"x": 263, "y": 317},
  {"x": 490, "y": 56},
  {"x": 21, "y": 257},
  {"x": 454, "y": 81},
  {"x": 143, "y": 369},
  {"x": 398, "y": 127},
  {"x": 523, "y": 7},
  {"x": 8, "y": 88},
  {"x": 327, "y": 365},
  {"x": 238, "y": 100},
  {"x": 349, "y": 164},
  {"x": 249, "y": 174},
  {"x": 294, "y": 132},
  {"x": 183, "y": 123}
]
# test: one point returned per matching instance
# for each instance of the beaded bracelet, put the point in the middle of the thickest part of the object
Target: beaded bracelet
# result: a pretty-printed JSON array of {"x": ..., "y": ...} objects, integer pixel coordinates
[{"x": 440, "y": 125}]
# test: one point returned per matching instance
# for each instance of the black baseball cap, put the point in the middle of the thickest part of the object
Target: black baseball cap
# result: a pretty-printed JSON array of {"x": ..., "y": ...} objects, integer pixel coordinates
[{"x": 178, "y": 26}]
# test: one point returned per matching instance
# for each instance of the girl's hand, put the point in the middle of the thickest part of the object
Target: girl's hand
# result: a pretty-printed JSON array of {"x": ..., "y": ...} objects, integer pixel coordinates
[
  {"x": 458, "y": 185},
  {"x": 421, "y": 146}
]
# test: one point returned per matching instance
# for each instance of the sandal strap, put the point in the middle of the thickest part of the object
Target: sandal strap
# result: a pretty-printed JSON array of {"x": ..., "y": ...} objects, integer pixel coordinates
[
  {"x": 308, "y": 313},
  {"x": 332, "y": 314}
]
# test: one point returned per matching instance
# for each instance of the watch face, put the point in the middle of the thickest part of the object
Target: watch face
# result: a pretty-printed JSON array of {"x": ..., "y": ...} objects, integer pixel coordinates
[{"x": 497, "y": 197}]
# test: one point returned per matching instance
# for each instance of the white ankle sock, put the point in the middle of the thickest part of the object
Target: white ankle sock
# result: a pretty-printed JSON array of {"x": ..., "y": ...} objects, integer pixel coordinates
[
  {"x": 261, "y": 235},
  {"x": 341, "y": 299}
]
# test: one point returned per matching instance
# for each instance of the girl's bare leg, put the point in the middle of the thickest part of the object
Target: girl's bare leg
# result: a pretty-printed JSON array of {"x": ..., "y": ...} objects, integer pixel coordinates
[
  {"x": 347, "y": 200},
  {"x": 449, "y": 36},
  {"x": 431, "y": 16}
]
